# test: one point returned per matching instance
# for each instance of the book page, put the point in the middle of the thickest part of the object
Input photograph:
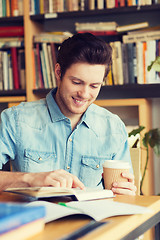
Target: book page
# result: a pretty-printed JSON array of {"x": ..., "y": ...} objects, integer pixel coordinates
[{"x": 97, "y": 210}]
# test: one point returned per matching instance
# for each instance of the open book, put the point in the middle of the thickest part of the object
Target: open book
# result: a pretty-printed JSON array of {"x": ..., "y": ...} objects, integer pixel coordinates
[
  {"x": 97, "y": 209},
  {"x": 78, "y": 194}
]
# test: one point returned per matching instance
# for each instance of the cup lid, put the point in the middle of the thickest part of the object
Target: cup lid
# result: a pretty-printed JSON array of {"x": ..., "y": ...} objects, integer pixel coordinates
[{"x": 116, "y": 164}]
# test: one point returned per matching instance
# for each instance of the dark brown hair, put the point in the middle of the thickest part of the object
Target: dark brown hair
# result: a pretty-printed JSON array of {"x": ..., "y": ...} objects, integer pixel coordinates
[{"x": 85, "y": 48}]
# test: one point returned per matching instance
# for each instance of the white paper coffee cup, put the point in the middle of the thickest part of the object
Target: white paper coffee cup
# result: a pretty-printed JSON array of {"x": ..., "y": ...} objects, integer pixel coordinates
[{"x": 112, "y": 172}]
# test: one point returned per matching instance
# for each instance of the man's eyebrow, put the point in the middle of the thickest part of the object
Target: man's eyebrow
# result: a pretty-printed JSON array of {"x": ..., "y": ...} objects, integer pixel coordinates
[{"x": 78, "y": 79}]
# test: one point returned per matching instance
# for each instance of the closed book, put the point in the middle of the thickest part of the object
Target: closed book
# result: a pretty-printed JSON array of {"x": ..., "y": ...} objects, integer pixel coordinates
[
  {"x": 14, "y": 215},
  {"x": 5, "y": 71},
  {"x": 142, "y": 36},
  {"x": 39, "y": 67},
  {"x": 130, "y": 49},
  {"x": 1, "y": 71},
  {"x": 81, "y": 195},
  {"x": 125, "y": 63},
  {"x": 119, "y": 63},
  {"x": 14, "y": 8},
  {"x": 15, "y": 68},
  {"x": 21, "y": 68},
  {"x": 25, "y": 231},
  {"x": 134, "y": 26},
  {"x": 11, "y": 31}
]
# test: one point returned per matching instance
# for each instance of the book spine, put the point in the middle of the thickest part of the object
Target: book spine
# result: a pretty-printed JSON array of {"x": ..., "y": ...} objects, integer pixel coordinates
[
  {"x": 1, "y": 71},
  {"x": 15, "y": 68},
  {"x": 11, "y": 31},
  {"x": 8, "y": 8},
  {"x": 14, "y": 8},
  {"x": 41, "y": 82}
]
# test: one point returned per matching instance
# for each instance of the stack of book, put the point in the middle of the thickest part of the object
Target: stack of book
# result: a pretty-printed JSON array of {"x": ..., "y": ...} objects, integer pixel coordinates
[
  {"x": 12, "y": 58},
  {"x": 18, "y": 221}
]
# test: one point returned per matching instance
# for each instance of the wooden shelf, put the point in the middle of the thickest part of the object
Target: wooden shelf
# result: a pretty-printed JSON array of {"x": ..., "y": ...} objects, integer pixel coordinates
[
  {"x": 17, "y": 92},
  {"x": 127, "y": 91},
  {"x": 10, "y": 99}
]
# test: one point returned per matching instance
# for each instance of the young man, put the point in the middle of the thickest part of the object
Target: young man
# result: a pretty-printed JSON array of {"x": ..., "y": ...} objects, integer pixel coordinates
[{"x": 64, "y": 139}]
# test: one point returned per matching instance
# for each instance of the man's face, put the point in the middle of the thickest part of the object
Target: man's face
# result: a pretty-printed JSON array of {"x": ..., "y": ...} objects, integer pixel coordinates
[{"x": 79, "y": 87}]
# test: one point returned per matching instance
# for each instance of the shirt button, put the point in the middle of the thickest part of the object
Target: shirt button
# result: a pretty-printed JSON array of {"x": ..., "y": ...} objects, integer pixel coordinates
[
  {"x": 40, "y": 159},
  {"x": 70, "y": 139},
  {"x": 97, "y": 166},
  {"x": 68, "y": 167}
]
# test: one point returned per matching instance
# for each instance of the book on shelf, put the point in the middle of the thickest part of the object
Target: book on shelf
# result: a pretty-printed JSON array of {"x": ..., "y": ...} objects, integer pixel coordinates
[
  {"x": 11, "y": 31},
  {"x": 142, "y": 36},
  {"x": 99, "y": 33},
  {"x": 97, "y": 209},
  {"x": 78, "y": 194},
  {"x": 17, "y": 216},
  {"x": 130, "y": 27},
  {"x": 14, "y": 57},
  {"x": 56, "y": 37},
  {"x": 96, "y": 26}
]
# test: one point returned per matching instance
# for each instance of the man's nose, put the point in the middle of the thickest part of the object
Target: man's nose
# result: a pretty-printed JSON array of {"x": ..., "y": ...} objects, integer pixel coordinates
[{"x": 84, "y": 92}]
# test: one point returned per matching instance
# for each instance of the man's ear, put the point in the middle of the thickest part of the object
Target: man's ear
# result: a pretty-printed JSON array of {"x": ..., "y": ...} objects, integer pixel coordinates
[{"x": 57, "y": 72}]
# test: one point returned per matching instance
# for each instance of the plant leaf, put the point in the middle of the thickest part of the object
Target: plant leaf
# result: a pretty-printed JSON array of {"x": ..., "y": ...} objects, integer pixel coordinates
[
  {"x": 155, "y": 65},
  {"x": 136, "y": 131}
]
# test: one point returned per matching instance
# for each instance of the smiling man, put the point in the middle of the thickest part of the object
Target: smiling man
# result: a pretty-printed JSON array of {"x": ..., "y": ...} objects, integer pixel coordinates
[{"x": 64, "y": 139}]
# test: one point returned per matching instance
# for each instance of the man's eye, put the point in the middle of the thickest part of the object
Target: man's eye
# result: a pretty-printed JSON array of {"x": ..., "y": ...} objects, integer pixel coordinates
[
  {"x": 76, "y": 83},
  {"x": 94, "y": 86}
]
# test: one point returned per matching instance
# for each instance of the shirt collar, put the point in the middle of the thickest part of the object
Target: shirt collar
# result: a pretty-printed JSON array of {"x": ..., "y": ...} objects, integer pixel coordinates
[
  {"x": 57, "y": 115},
  {"x": 54, "y": 111}
]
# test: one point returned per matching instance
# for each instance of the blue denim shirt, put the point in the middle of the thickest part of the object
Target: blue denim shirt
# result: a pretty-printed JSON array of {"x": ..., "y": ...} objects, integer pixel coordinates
[{"x": 38, "y": 138}]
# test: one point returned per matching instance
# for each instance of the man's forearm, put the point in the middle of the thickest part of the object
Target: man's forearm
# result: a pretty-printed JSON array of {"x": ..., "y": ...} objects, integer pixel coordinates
[{"x": 12, "y": 179}]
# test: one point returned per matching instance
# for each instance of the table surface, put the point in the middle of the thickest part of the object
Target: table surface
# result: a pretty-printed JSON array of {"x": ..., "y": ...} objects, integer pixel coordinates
[{"x": 117, "y": 228}]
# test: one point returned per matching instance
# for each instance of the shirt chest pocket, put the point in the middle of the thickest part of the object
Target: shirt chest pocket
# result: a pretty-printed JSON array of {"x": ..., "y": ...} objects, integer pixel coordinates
[
  {"x": 37, "y": 161},
  {"x": 91, "y": 170}
]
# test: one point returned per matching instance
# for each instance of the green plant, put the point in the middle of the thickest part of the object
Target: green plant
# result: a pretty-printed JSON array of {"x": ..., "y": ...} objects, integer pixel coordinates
[
  {"x": 155, "y": 65},
  {"x": 149, "y": 139}
]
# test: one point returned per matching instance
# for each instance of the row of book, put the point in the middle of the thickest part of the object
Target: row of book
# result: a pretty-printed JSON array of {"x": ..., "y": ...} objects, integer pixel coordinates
[
  {"x": 11, "y": 8},
  {"x": 131, "y": 61},
  {"x": 44, "y": 58},
  {"x": 12, "y": 68},
  {"x": 53, "y": 6}
]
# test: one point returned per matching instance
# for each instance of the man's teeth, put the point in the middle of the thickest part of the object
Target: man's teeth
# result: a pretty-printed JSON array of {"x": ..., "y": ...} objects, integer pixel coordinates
[{"x": 78, "y": 101}]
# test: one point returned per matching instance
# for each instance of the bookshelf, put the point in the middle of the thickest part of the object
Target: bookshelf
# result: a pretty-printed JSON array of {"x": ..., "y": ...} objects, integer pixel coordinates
[{"x": 135, "y": 95}]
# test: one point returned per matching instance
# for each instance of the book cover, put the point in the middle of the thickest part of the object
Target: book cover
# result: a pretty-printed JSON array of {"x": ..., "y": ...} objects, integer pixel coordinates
[
  {"x": 132, "y": 26},
  {"x": 15, "y": 68},
  {"x": 125, "y": 63},
  {"x": 119, "y": 64},
  {"x": 14, "y": 8},
  {"x": 11, "y": 31},
  {"x": 47, "y": 66},
  {"x": 130, "y": 50},
  {"x": 97, "y": 209},
  {"x": 13, "y": 215},
  {"x": 143, "y": 36},
  {"x": 39, "y": 67},
  {"x": 24, "y": 231},
  {"x": 81, "y": 195},
  {"x": 1, "y": 71}
]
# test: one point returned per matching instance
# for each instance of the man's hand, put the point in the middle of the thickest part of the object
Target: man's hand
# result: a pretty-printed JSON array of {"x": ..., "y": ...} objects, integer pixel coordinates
[
  {"x": 57, "y": 178},
  {"x": 125, "y": 188}
]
